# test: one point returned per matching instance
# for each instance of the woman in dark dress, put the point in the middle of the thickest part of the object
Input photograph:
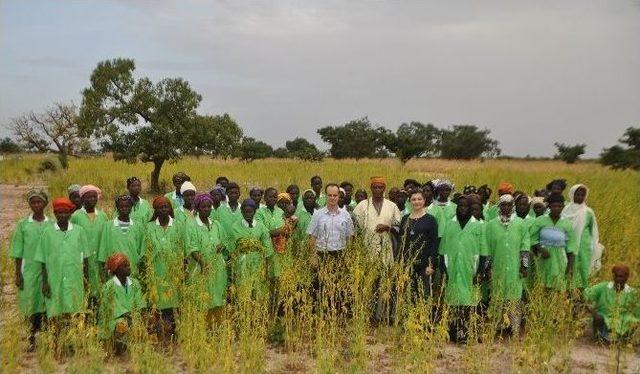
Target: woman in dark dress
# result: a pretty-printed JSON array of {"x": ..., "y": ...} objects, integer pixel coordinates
[{"x": 419, "y": 244}]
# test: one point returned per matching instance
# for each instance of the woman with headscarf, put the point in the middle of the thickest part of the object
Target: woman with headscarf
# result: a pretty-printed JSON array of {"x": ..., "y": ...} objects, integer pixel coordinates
[
  {"x": 463, "y": 243},
  {"x": 444, "y": 188},
  {"x": 614, "y": 307},
  {"x": 93, "y": 221},
  {"x": 585, "y": 226},
  {"x": 186, "y": 211},
  {"x": 218, "y": 209},
  {"x": 120, "y": 297},
  {"x": 28, "y": 272},
  {"x": 163, "y": 263},
  {"x": 207, "y": 255},
  {"x": 176, "y": 196},
  {"x": 140, "y": 209},
  {"x": 123, "y": 234},
  {"x": 553, "y": 242},
  {"x": 73, "y": 191},
  {"x": 538, "y": 206},
  {"x": 250, "y": 248},
  {"x": 63, "y": 252},
  {"x": 508, "y": 245}
]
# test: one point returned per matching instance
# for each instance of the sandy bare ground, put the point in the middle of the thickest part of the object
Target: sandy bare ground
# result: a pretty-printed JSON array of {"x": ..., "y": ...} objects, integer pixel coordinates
[{"x": 586, "y": 356}]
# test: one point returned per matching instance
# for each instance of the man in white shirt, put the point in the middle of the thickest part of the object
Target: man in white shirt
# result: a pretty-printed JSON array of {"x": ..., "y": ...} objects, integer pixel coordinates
[{"x": 330, "y": 228}]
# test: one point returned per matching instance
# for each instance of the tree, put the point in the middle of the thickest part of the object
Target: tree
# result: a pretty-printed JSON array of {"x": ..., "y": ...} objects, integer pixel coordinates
[
  {"x": 281, "y": 153},
  {"x": 7, "y": 145},
  {"x": 57, "y": 130},
  {"x": 303, "y": 149},
  {"x": 216, "y": 135},
  {"x": 567, "y": 153},
  {"x": 414, "y": 139},
  {"x": 627, "y": 157},
  {"x": 252, "y": 149},
  {"x": 147, "y": 122},
  {"x": 356, "y": 139},
  {"x": 467, "y": 142}
]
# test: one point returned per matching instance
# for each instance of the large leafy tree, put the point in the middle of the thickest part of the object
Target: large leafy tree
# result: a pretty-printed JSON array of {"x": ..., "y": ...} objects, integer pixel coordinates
[
  {"x": 139, "y": 120},
  {"x": 467, "y": 142},
  {"x": 356, "y": 139},
  {"x": 626, "y": 156},
  {"x": 303, "y": 149},
  {"x": 252, "y": 149},
  {"x": 414, "y": 139},
  {"x": 569, "y": 153},
  {"x": 56, "y": 130}
]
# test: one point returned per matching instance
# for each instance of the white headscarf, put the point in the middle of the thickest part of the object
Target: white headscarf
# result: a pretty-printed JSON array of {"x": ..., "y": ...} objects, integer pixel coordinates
[
  {"x": 577, "y": 214},
  {"x": 187, "y": 186}
]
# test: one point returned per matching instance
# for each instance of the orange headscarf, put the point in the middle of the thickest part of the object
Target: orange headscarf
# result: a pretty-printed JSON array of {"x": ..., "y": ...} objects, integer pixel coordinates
[
  {"x": 505, "y": 188},
  {"x": 62, "y": 204},
  {"x": 115, "y": 261},
  {"x": 378, "y": 180}
]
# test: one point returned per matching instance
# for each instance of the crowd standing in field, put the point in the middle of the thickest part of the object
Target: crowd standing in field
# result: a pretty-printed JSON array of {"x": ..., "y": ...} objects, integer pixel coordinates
[{"x": 462, "y": 249}]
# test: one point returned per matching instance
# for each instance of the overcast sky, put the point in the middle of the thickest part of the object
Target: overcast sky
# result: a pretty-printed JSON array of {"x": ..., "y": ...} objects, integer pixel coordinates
[{"x": 533, "y": 72}]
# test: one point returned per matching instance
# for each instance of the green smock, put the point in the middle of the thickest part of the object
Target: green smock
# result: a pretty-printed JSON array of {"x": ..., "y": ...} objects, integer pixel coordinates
[
  {"x": 164, "y": 263},
  {"x": 462, "y": 248},
  {"x": 24, "y": 243},
  {"x": 208, "y": 242},
  {"x": 129, "y": 241},
  {"x": 63, "y": 254},
  {"x": 116, "y": 301},
  {"x": 141, "y": 212},
  {"x": 93, "y": 228},
  {"x": 506, "y": 244},
  {"x": 272, "y": 220},
  {"x": 250, "y": 247},
  {"x": 620, "y": 310},
  {"x": 551, "y": 271}
]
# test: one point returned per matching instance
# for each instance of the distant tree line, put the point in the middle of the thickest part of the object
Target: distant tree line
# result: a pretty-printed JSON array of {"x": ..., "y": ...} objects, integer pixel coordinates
[{"x": 138, "y": 120}]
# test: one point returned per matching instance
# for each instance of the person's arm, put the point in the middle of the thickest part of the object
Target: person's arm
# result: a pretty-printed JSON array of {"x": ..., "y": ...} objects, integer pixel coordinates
[
  {"x": 16, "y": 251},
  {"x": 46, "y": 290},
  {"x": 197, "y": 256},
  {"x": 570, "y": 249},
  {"x": 432, "y": 246},
  {"x": 525, "y": 244},
  {"x": 85, "y": 272},
  {"x": 18, "y": 271}
]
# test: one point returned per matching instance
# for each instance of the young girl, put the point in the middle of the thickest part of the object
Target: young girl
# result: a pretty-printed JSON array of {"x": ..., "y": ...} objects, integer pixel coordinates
[
  {"x": 140, "y": 209},
  {"x": 120, "y": 297},
  {"x": 123, "y": 234},
  {"x": 29, "y": 272}
]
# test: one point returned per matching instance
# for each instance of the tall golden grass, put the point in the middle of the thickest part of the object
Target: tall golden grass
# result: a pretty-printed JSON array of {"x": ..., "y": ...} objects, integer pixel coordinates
[{"x": 334, "y": 332}]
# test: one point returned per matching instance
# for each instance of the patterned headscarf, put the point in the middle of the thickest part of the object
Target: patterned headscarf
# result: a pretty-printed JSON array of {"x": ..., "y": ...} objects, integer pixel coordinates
[
  {"x": 36, "y": 192},
  {"x": 283, "y": 196},
  {"x": 90, "y": 188},
  {"x": 505, "y": 188},
  {"x": 201, "y": 198},
  {"x": 73, "y": 188}
]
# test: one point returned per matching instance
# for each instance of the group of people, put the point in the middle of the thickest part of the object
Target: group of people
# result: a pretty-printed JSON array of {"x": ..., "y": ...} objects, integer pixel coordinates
[{"x": 461, "y": 243}]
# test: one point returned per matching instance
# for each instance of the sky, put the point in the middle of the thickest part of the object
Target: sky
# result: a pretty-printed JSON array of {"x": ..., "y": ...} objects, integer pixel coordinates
[{"x": 533, "y": 72}]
